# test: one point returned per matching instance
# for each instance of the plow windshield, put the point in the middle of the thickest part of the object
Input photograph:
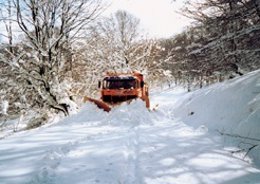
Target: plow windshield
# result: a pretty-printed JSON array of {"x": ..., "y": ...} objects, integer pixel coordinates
[{"x": 119, "y": 84}]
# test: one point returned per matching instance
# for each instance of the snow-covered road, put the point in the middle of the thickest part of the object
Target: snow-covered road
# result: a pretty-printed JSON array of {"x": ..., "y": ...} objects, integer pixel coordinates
[{"x": 129, "y": 145}]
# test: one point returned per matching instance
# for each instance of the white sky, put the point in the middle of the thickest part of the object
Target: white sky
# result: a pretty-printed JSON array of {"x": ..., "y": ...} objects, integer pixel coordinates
[{"x": 158, "y": 17}]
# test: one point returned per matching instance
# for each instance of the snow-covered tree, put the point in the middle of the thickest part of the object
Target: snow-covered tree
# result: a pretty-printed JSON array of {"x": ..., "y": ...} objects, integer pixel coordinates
[
  {"x": 231, "y": 29},
  {"x": 116, "y": 43},
  {"x": 222, "y": 43},
  {"x": 40, "y": 59}
]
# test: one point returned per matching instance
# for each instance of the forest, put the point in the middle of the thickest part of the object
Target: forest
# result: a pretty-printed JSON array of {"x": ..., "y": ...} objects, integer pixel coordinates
[{"x": 52, "y": 53}]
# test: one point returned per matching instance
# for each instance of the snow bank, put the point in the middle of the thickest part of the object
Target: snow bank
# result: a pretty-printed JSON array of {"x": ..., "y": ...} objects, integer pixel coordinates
[
  {"x": 231, "y": 107},
  {"x": 132, "y": 114}
]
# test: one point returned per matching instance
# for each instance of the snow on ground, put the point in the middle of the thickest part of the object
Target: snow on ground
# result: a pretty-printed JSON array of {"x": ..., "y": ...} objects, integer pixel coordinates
[
  {"x": 131, "y": 145},
  {"x": 232, "y": 107}
]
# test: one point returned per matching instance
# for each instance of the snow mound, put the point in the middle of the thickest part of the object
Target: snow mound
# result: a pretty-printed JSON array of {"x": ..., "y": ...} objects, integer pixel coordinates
[
  {"x": 231, "y": 108},
  {"x": 132, "y": 114},
  {"x": 126, "y": 114}
]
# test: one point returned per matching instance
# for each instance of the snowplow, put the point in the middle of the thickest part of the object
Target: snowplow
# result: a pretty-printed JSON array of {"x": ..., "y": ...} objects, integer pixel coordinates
[{"x": 116, "y": 88}]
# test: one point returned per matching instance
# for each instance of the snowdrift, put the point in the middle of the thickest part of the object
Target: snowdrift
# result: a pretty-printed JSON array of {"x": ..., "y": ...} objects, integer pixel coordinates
[{"x": 231, "y": 107}]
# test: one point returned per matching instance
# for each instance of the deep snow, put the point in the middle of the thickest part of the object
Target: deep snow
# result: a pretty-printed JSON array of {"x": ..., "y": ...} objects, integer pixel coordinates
[{"x": 175, "y": 144}]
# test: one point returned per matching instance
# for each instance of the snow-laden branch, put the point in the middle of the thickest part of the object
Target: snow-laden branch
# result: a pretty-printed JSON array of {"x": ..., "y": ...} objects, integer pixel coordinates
[{"x": 238, "y": 136}]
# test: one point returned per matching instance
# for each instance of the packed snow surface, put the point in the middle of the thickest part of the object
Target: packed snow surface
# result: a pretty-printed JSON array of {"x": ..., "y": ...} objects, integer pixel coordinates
[{"x": 178, "y": 143}]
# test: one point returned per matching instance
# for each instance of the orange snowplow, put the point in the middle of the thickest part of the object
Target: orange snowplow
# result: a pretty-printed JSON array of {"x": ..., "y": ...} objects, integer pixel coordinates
[{"x": 121, "y": 87}]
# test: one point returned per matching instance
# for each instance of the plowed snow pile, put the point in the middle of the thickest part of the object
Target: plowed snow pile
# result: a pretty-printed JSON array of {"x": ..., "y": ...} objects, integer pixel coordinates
[{"x": 176, "y": 144}]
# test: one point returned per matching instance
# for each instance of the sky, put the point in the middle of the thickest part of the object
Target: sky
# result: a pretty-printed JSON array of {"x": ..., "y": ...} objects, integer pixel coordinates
[{"x": 158, "y": 17}]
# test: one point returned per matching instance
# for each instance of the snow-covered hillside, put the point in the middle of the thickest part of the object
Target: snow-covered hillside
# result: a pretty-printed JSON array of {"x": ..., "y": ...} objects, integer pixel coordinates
[
  {"x": 176, "y": 144},
  {"x": 231, "y": 108}
]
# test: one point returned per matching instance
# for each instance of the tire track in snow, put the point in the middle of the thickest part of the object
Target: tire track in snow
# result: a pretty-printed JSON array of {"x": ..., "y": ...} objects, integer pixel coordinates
[
  {"x": 51, "y": 160},
  {"x": 132, "y": 155}
]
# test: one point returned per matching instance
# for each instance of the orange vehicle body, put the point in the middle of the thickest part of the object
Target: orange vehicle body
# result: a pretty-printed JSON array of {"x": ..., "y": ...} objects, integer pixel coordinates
[{"x": 120, "y": 87}]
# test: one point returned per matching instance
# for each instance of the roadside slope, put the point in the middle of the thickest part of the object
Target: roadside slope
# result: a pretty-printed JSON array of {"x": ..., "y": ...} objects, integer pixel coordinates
[{"x": 231, "y": 108}]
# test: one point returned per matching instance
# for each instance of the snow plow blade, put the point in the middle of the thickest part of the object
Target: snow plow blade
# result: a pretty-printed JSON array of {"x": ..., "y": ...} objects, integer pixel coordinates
[{"x": 100, "y": 104}]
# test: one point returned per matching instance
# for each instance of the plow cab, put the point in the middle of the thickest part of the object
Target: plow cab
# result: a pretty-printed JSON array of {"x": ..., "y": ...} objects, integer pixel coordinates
[{"x": 116, "y": 88}]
